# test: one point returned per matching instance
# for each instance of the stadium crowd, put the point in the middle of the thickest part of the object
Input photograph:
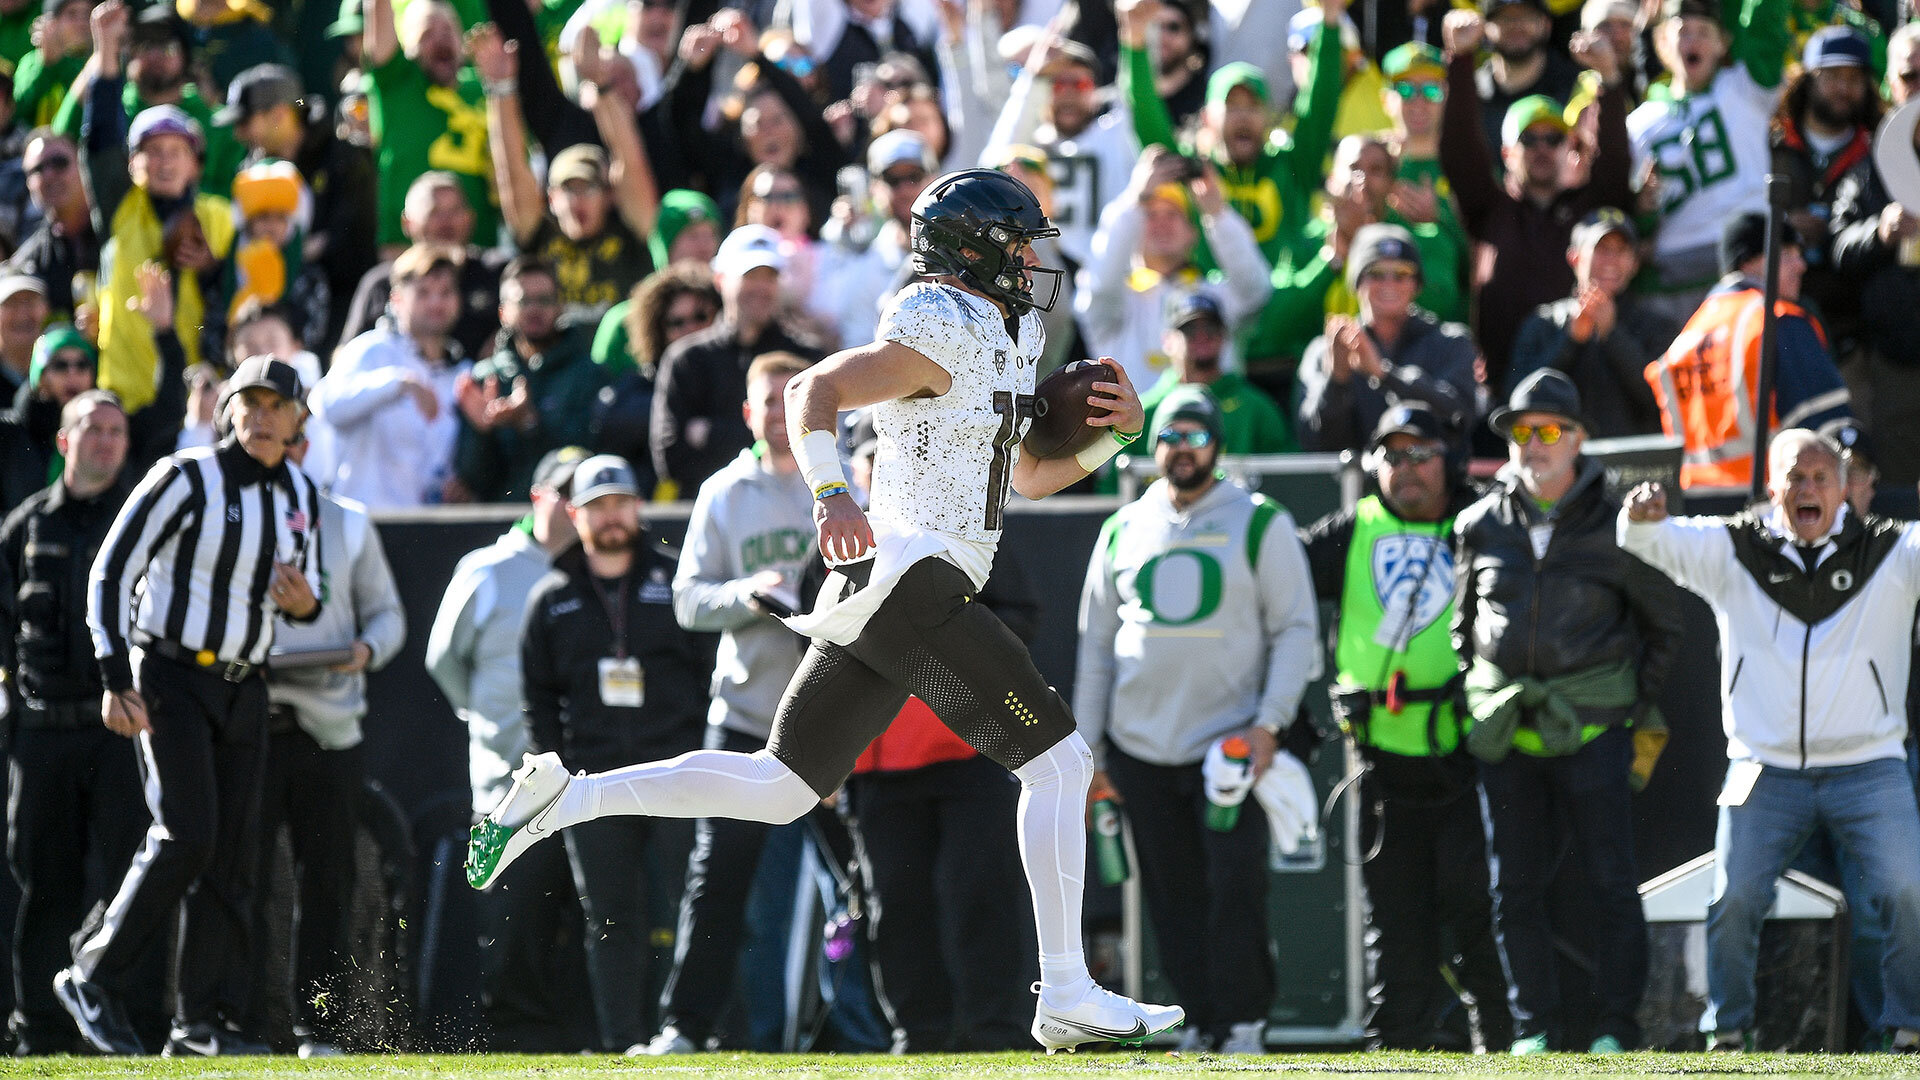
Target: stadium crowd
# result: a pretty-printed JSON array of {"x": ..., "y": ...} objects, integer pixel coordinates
[{"x": 566, "y": 254}]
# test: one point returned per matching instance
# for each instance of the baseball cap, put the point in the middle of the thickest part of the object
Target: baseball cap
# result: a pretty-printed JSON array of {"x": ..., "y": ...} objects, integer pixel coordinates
[
  {"x": 1836, "y": 47},
  {"x": 164, "y": 120},
  {"x": 268, "y": 373},
  {"x": 1852, "y": 438},
  {"x": 13, "y": 285},
  {"x": 749, "y": 247},
  {"x": 1595, "y": 12},
  {"x": 158, "y": 25},
  {"x": 581, "y": 161},
  {"x": 1528, "y": 111},
  {"x": 1378, "y": 243},
  {"x": 1413, "y": 58},
  {"x": 1306, "y": 22},
  {"x": 258, "y": 89},
  {"x": 1697, "y": 9},
  {"x": 1409, "y": 419},
  {"x": 1073, "y": 52},
  {"x": 603, "y": 474},
  {"x": 422, "y": 259},
  {"x": 1599, "y": 224},
  {"x": 351, "y": 22},
  {"x": 1744, "y": 238},
  {"x": 1196, "y": 305},
  {"x": 1238, "y": 73},
  {"x": 901, "y": 146},
  {"x": 556, "y": 468},
  {"x": 1188, "y": 401}
]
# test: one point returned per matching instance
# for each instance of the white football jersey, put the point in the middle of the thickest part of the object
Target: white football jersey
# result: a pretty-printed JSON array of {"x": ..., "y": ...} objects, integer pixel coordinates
[
  {"x": 945, "y": 464},
  {"x": 1712, "y": 156}
]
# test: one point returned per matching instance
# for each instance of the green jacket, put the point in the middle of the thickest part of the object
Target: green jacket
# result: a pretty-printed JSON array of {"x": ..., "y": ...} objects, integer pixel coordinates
[
  {"x": 1540, "y": 717},
  {"x": 1276, "y": 193},
  {"x": 40, "y": 88},
  {"x": 1250, "y": 421},
  {"x": 612, "y": 350},
  {"x": 564, "y": 383},
  {"x": 16, "y": 34}
]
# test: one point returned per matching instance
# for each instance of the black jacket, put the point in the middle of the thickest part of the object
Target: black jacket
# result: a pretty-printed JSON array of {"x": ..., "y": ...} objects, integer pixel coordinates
[
  {"x": 568, "y": 632},
  {"x": 1586, "y": 603},
  {"x": 55, "y": 256},
  {"x": 1610, "y": 371},
  {"x": 47, "y": 547},
  {"x": 704, "y": 376}
]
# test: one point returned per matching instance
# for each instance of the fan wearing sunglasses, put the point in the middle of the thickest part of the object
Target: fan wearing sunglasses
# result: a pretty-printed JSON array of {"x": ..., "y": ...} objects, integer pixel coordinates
[{"x": 1568, "y": 642}]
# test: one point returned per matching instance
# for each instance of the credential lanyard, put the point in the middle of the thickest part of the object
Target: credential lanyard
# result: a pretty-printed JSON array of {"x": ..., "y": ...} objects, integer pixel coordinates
[{"x": 616, "y": 612}]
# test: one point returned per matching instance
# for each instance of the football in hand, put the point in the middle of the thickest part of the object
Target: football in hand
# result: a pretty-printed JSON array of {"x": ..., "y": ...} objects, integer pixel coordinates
[{"x": 1061, "y": 411}]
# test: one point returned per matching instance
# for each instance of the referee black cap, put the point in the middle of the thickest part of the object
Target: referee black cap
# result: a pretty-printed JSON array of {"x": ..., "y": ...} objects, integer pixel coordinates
[{"x": 268, "y": 373}]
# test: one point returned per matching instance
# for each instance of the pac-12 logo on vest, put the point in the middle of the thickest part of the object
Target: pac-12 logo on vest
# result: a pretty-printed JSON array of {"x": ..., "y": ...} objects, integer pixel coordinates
[{"x": 1413, "y": 580}]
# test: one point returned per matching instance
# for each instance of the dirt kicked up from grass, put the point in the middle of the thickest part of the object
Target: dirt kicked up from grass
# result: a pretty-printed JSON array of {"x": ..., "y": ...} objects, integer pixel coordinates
[{"x": 1094, "y": 1065}]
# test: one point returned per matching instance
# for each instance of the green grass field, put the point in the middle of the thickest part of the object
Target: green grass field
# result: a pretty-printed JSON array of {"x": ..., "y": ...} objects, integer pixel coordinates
[{"x": 802, "y": 1067}]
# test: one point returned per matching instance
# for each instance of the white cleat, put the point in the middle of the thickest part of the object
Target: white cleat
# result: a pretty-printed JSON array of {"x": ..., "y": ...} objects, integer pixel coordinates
[
  {"x": 1101, "y": 1016},
  {"x": 522, "y": 818}
]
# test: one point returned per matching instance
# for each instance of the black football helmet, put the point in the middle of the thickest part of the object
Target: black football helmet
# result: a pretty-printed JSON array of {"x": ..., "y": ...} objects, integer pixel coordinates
[{"x": 972, "y": 224}]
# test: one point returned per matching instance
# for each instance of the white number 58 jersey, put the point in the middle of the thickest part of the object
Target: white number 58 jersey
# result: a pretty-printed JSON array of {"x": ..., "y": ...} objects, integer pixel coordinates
[{"x": 945, "y": 464}]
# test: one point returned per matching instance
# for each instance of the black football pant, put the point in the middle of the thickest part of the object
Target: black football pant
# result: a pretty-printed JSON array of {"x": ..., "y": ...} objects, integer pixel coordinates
[
  {"x": 74, "y": 820},
  {"x": 315, "y": 794},
  {"x": 948, "y": 911},
  {"x": 1429, "y": 907},
  {"x": 201, "y": 767},
  {"x": 533, "y": 976},
  {"x": 1206, "y": 891},
  {"x": 628, "y": 871}
]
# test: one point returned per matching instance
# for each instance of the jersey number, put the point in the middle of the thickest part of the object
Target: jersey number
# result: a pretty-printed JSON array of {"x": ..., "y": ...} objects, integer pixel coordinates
[
  {"x": 462, "y": 148},
  {"x": 1012, "y": 409},
  {"x": 1705, "y": 158}
]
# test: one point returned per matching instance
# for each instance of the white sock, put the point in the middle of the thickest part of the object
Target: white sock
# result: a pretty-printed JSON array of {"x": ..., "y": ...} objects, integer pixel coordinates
[
  {"x": 1053, "y": 848},
  {"x": 703, "y": 783}
]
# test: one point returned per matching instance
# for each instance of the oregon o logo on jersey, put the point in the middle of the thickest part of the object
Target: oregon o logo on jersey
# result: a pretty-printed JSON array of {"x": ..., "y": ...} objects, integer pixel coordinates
[
  {"x": 1413, "y": 580},
  {"x": 1199, "y": 586}
]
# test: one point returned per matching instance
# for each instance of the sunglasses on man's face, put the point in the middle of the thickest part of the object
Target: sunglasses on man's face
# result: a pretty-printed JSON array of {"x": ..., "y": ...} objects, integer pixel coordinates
[
  {"x": 903, "y": 176},
  {"x": 1392, "y": 276},
  {"x": 1412, "y": 455},
  {"x": 74, "y": 365},
  {"x": 1552, "y": 140},
  {"x": 1080, "y": 83},
  {"x": 1430, "y": 91},
  {"x": 51, "y": 163},
  {"x": 1548, "y": 434},
  {"x": 693, "y": 321},
  {"x": 786, "y": 196},
  {"x": 1192, "y": 440}
]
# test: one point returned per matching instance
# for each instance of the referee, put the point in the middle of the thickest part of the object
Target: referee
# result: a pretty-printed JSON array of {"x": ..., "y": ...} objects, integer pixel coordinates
[{"x": 218, "y": 538}]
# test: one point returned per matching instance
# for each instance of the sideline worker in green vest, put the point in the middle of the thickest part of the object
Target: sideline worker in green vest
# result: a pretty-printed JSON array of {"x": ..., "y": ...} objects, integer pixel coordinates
[{"x": 1388, "y": 564}]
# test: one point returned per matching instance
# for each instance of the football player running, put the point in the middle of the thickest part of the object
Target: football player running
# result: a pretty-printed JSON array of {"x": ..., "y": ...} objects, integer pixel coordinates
[{"x": 950, "y": 379}]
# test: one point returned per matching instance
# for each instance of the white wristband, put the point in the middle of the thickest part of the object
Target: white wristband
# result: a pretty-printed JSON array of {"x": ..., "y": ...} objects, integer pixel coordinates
[
  {"x": 1102, "y": 449},
  {"x": 819, "y": 457}
]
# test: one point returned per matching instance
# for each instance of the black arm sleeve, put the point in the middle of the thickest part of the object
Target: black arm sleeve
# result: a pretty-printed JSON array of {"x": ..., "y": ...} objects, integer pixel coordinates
[
  {"x": 155, "y": 429},
  {"x": 1327, "y": 542},
  {"x": 552, "y": 119}
]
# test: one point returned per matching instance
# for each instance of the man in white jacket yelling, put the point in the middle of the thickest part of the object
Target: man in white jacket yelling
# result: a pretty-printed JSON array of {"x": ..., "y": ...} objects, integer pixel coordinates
[{"x": 1815, "y": 607}]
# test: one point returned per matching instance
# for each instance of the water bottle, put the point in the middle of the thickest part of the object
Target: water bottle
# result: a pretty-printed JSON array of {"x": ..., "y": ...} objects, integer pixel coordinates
[
  {"x": 1109, "y": 850},
  {"x": 1222, "y": 814}
]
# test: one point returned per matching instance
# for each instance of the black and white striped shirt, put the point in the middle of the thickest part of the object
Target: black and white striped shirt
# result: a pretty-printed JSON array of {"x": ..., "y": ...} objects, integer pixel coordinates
[{"x": 200, "y": 536}]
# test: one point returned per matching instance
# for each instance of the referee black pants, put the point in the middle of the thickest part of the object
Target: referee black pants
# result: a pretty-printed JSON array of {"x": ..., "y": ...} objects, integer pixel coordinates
[
  {"x": 201, "y": 767},
  {"x": 1206, "y": 892}
]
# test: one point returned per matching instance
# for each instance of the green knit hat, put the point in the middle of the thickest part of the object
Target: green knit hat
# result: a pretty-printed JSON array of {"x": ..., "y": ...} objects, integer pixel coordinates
[
  {"x": 56, "y": 337},
  {"x": 1238, "y": 73},
  {"x": 678, "y": 209},
  {"x": 1189, "y": 401}
]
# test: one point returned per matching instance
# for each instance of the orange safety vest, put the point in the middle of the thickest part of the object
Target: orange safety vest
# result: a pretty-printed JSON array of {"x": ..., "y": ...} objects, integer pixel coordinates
[{"x": 1710, "y": 400}]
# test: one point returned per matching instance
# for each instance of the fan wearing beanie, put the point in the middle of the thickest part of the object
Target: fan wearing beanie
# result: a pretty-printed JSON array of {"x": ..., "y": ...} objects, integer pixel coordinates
[{"x": 268, "y": 199}]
